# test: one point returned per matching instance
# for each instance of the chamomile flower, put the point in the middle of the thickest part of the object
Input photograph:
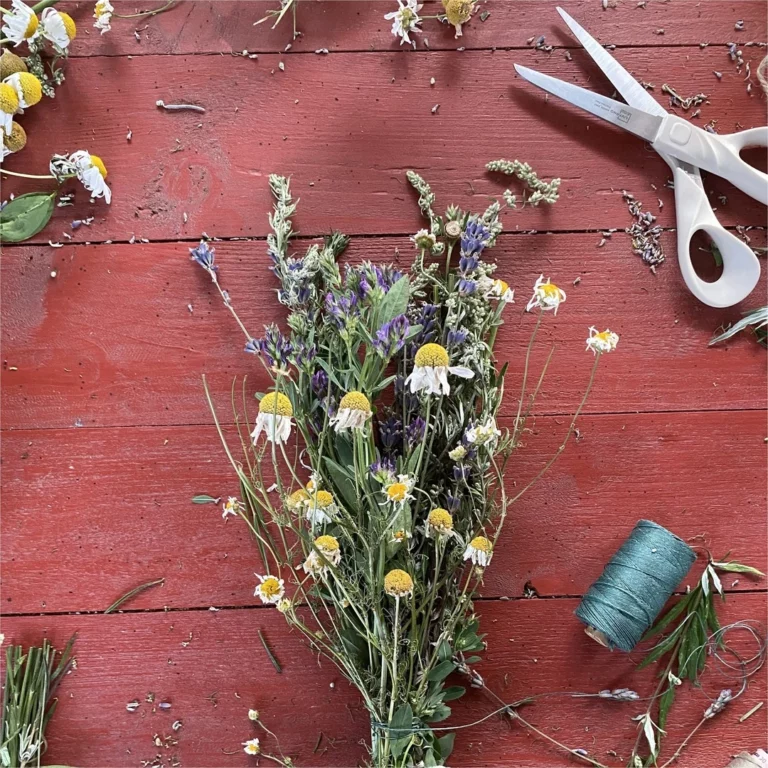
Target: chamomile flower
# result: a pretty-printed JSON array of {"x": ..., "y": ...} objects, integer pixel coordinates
[
  {"x": 405, "y": 20},
  {"x": 103, "y": 15},
  {"x": 424, "y": 239},
  {"x": 270, "y": 589},
  {"x": 284, "y": 605},
  {"x": 15, "y": 141},
  {"x": 253, "y": 715},
  {"x": 499, "y": 289},
  {"x": 251, "y": 747},
  {"x": 398, "y": 492},
  {"x": 88, "y": 168},
  {"x": 275, "y": 412},
  {"x": 479, "y": 551},
  {"x": 297, "y": 500},
  {"x": 20, "y": 23},
  {"x": 321, "y": 508},
  {"x": 602, "y": 341},
  {"x": 398, "y": 583},
  {"x": 482, "y": 434},
  {"x": 329, "y": 548},
  {"x": 354, "y": 412},
  {"x": 439, "y": 522},
  {"x": 9, "y": 104},
  {"x": 400, "y": 536},
  {"x": 431, "y": 369},
  {"x": 458, "y": 12},
  {"x": 546, "y": 295},
  {"x": 230, "y": 507},
  {"x": 27, "y": 87},
  {"x": 58, "y": 27}
]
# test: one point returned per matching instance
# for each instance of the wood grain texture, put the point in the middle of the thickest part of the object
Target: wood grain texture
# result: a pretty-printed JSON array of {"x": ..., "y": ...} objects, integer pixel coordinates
[
  {"x": 535, "y": 646},
  {"x": 111, "y": 340},
  {"x": 89, "y": 513},
  {"x": 351, "y": 124},
  {"x": 358, "y": 25}
]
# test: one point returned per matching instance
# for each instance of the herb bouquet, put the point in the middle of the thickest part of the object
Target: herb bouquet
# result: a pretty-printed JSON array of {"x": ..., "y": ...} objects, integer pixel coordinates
[{"x": 391, "y": 383}]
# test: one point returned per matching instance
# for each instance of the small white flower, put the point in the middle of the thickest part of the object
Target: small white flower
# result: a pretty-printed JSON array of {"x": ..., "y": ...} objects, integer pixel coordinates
[
  {"x": 400, "y": 537},
  {"x": 458, "y": 453},
  {"x": 479, "y": 551},
  {"x": 431, "y": 369},
  {"x": 481, "y": 434},
  {"x": 20, "y": 23},
  {"x": 354, "y": 412},
  {"x": 326, "y": 553},
  {"x": 398, "y": 492},
  {"x": 230, "y": 507},
  {"x": 424, "y": 239},
  {"x": 57, "y": 27},
  {"x": 253, "y": 715},
  {"x": 321, "y": 508},
  {"x": 251, "y": 747},
  {"x": 497, "y": 289},
  {"x": 405, "y": 20},
  {"x": 274, "y": 419},
  {"x": 602, "y": 341},
  {"x": 270, "y": 589},
  {"x": 88, "y": 168},
  {"x": 546, "y": 295},
  {"x": 103, "y": 15},
  {"x": 284, "y": 605},
  {"x": 2, "y": 638}
]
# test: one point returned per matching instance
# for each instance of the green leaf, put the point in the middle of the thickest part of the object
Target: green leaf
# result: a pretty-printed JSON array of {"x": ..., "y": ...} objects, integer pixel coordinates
[
  {"x": 446, "y": 745},
  {"x": 401, "y": 723},
  {"x": 441, "y": 713},
  {"x": 205, "y": 499},
  {"x": 454, "y": 692},
  {"x": 668, "y": 617},
  {"x": 441, "y": 671},
  {"x": 344, "y": 483},
  {"x": 665, "y": 702},
  {"x": 395, "y": 302},
  {"x": 25, "y": 216},
  {"x": 444, "y": 650},
  {"x": 661, "y": 648},
  {"x": 734, "y": 567}
]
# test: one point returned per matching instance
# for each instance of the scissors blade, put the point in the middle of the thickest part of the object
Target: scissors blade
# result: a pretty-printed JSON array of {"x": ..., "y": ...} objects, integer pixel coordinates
[
  {"x": 625, "y": 84},
  {"x": 630, "y": 118}
]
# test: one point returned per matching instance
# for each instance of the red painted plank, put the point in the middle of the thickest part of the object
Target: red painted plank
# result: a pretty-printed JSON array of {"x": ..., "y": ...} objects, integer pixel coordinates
[
  {"x": 91, "y": 513},
  {"x": 535, "y": 646},
  {"x": 358, "y": 25},
  {"x": 328, "y": 121},
  {"x": 111, "y": 341}
]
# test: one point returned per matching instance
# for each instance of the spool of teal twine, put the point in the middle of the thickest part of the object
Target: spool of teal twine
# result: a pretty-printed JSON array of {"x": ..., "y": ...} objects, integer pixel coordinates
[{"x": 632, "y": 589}]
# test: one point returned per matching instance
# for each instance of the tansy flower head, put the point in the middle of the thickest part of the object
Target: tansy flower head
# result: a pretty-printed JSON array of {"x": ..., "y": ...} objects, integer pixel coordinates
[
  {"x": 9, "y": 103},
  {"x": 354, "y": 411},
  {"x": 602, "y": 341},
  {"x": 440, "y": 520},
  {"x": 479, "y": 551},
  {"x": 251, "y": 747},
  {"x": 58, "y": 27},
  {"x": 27, "y": 87},
  {"x": 275, "y": 411},
  {"x": 546, "y": 295},
  {"x": 458, "y": 12},
  {"x": 270, "y": 590},
  {"x": 397, "y": 583},
  {"x": 276, "y": 403},
  {"x": 297, "y": 499},
  {"x": 16, "y": 140},
  {"x": 431, "y": 369},
  {"x": 20, "y": 23}
]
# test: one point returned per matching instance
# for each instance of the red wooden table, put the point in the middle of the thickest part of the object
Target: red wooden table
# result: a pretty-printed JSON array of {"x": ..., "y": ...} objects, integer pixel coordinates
[{"x": 106, "y": 436}]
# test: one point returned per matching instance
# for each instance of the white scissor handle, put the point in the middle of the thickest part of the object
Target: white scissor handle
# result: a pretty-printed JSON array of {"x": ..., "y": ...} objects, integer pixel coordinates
[
  {"x": 741, "y": 269},
  {"x": 717, "y": 154}
]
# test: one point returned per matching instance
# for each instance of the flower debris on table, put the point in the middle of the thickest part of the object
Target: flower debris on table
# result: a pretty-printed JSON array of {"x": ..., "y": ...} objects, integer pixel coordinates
[{"x": 644, "y": 232}]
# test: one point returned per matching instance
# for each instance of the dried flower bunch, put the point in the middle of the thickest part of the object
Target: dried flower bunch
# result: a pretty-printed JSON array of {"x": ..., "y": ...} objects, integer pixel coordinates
[{"x": 376, "y": 522}]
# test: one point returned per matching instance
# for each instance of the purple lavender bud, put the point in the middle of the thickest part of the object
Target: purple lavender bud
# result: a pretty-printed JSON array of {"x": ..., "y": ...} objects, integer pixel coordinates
[
  {"x": 386, "y": 276},
  {"x": 391, "y": 433},
  {"x": 204, "y": 256},
  {"x": 468, "y": 264},
  {"x": 460, "y": 472},
  {"x": 274, "y": 346},
  {"x": 452, "y": 503},
  {"x": 415, "y": 431},
  {"x": 252, "y": 347},
  {"x": 475, "y": 238},
  {"x": 382, "y": 466},
  {"x": 390, "y": 338},
  {"x": 320, "y": 383},
  {"x": 467, "y": 287},
  {"x": 303, "y": 354},
  {"x": 457, "y": 337},
  {"x": 428, "y": 322}
]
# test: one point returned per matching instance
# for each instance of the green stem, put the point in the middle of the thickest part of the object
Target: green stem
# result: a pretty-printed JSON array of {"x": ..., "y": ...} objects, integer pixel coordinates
[
  {"x": 25, "y": 175},
  {"x": 165, "y": 7},
  {"x": 43, "y": 4}
]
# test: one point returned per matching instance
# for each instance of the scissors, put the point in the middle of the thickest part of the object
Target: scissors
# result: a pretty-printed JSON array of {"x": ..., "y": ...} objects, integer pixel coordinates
[{"x": 685, "y": 148}]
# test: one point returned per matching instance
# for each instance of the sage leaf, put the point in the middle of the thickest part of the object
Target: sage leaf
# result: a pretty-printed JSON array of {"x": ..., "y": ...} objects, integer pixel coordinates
[
  {"x": 395, "y": 302},
  {"x": 204, "y": 498},
  {"x": 734, "y": 567},
  {"x": 25, "y": 216}
]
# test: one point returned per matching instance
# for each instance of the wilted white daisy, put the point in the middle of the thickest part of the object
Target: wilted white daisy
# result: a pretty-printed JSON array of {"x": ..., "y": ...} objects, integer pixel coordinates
[
  {"x": 458, "y": 453},
  {"x": 458, "y": 12},
  {"x": 253, "y": 715},
  {"x": 28, "y": 88},
  {"x": 321, "y": 508},
  {"x": 20, "y": 23},
  {"x": 400, "y": 536},
  {"x": 405, "y": 20},
  {"x": 354, "y": 412},
  {"x": 398, "y": 583},
  {"x": 499, "y": 289},
  {"x": 297, "y": 500},
  {"x": 546, "y": 295},
  {"x": 230, "y": 507},
  {"x": 251, "y": 747},
  {"x": 58, "y": 27},
  {"x": 88, "y": 168},
  {"x": 9, "y": 104},
  {"x": 284, "y": 605},
  {"x": 270, "y": 589},
  {"x": 602, "y": 341},
  {"x": 398, "y": 492},
  {"x": 103, "y": 15},
  {"x": 326, "y": 553},
  {"x": 479, "y": 551},
  {"x": 439, "y": 522},
  {"x": 481, "y": 434},
  {"x": 275, "y": 412},
  {"x": 431, "y": 369},
  {"x": 424, "y": 239}
]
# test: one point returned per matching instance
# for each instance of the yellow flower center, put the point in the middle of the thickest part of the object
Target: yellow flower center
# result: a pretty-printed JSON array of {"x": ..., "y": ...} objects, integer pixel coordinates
[
  {"x": 272, "y": 402},
  {"x": 323, "y": 499},
  {"x": 9, "y": 101},
  {"x": 31, "y": 27},
  {"x": 10, "y": 63},
  {"x": 327, "y": 544},
  {"x": 458, "y": 11},
  {"x": 501, "y": 286},
  {"x": 30, "y": 87},
  {"x": 397, "y": 491},
  {"x": 100, "y": 8},
  {"x": 399, "y": 535},
  {"x": 398, "y": 583},
  {"x": 432, "y": 356},
  {"x": 482, "y": 544},
  {"x": 270, "y": 587},
  {"x": 603, "y": 336},
  {"x": 17, "y": 140},
  {"x": 355, "y": 401},
  {"x": 69, "y": 25},
  {"x": 550, "y": 290},
  {"x": 440, "y": 519},
  {"x": 99, "y": 163},
  {"x": 297, "y": 498}
]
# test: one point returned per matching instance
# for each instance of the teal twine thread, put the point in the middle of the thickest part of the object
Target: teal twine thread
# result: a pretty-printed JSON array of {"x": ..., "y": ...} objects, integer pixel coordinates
[{"x": 633, "y": 588}]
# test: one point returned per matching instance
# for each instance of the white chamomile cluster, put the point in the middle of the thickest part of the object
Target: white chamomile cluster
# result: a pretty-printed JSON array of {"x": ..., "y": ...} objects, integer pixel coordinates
[{"x": 405, "y": 20}]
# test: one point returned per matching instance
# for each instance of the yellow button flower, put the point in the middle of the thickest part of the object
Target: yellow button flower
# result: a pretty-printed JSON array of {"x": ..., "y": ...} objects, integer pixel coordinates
[
  {"x": 275, "y": 412},
  {"x": 458, "y": 12},
  {"x": 479, "y": 551},
  {"x": 397, "y": 583},
  {"x": 431, "y": 369},
  {"x": 440, "y": 520},
  {"x": 354, "y": 412},
  {"x": 27, "y": 87}
]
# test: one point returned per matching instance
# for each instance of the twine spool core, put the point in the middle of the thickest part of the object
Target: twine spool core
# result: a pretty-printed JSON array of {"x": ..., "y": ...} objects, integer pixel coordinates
[{"x": 634, "y": 586}]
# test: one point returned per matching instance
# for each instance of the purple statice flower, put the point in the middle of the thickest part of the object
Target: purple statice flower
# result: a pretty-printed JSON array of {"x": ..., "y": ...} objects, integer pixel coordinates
[
  {"x": 452, "y": 503},
  {"x": 341, "y": 308},
  {"x": 204, "y": 256},
  {"x": 467, "y": 287},
  {"x": 390, "y": 338},
  {"x": 468, "y": 264},
  {"x": 391, "y": 433},
  {"x": 475, "y": 238},
  {"x": 458, "y": 337},
  {"x": 415, "y": 431},
  {"x": 319, "y": 383},
  {"x": 460, "y": 472},
  {"x": 274, "y": 346}
]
